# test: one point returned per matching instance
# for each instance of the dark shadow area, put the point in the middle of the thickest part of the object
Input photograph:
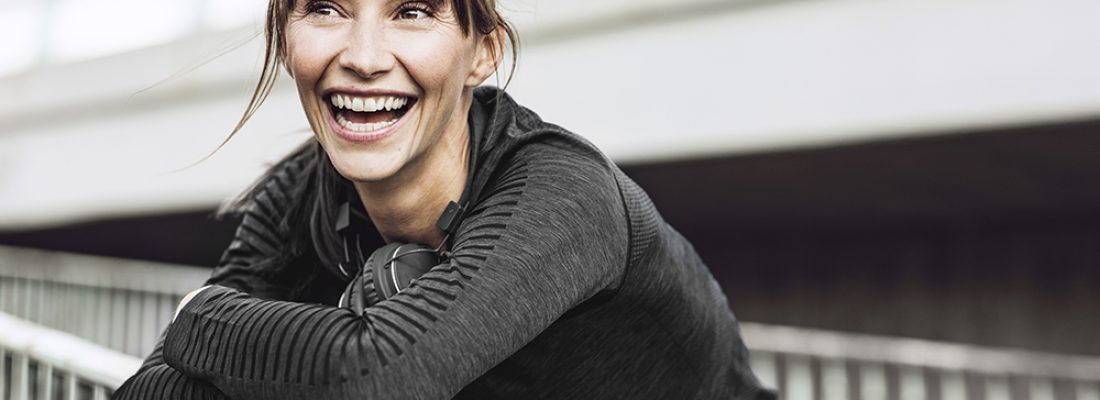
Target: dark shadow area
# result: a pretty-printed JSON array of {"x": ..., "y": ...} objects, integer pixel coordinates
[
  {"x": 990, "y": 238},
  {"x": 190, "y": 238}
]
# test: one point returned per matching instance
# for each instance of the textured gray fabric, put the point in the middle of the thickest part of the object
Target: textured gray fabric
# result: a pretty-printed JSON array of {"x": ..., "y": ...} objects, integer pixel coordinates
[{"x": 565, "y": 284}]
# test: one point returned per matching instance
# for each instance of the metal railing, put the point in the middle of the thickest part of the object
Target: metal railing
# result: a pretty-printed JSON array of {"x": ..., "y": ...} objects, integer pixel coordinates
[
  {"x": 119, "y": 304},
  {"x": 124, "y": 305},
  {"x": 38, "y": 363},
  {"x": 808, "y": 364}
]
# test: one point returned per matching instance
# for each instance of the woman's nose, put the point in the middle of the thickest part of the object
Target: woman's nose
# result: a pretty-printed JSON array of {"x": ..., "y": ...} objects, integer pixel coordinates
[{"x": 366, "y": 53}]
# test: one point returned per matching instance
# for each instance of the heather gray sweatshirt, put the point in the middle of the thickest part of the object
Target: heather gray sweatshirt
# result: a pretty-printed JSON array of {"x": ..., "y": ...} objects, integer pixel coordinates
[{"x": 564, "y": 284}]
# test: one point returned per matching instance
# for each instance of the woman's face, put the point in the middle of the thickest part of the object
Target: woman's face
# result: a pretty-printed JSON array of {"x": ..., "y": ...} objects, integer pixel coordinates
[{"x": 382, "y": 81}]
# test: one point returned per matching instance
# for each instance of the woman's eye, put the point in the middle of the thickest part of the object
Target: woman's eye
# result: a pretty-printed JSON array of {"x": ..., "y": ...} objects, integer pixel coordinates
[
  {"x": 325, "y": 10},
  {"x": 321, "y": 8},
  {"x": 414, "y": 11},
  {"x": 413, "y": 14}
]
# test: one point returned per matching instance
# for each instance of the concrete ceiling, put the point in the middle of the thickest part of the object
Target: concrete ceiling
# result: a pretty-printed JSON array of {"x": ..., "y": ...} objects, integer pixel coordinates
[{"x": 649, "y": 82}]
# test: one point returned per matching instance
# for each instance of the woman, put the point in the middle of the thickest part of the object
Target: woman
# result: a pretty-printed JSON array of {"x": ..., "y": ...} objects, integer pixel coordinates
[{"x": 556, "y": 278}]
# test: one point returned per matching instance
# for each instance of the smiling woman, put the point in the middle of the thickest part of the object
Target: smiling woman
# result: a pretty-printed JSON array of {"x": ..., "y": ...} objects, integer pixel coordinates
[
  {"x": 515, "y": 260},
  {"x": 354, "y": 63}
]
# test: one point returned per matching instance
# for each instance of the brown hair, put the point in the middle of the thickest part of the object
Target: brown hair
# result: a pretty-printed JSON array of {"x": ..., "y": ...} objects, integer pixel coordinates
[{"x": 480, "y": 16}]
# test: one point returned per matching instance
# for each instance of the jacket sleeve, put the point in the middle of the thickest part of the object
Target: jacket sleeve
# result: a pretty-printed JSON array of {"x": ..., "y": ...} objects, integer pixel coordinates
[
  {"x": 156, "y": 380},
  {"x": 255, "y": 245},
  {"x": 546, "y": 236}
]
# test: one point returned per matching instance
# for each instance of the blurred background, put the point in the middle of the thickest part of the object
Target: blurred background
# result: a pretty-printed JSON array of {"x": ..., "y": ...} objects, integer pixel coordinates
[{"x": 898, "y": 197}]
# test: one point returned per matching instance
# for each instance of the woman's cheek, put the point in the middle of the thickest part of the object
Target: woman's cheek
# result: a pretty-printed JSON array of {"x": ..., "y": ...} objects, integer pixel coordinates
[
  {"x": 309, "y": 52},
  {"x": 431, "y": 57}
]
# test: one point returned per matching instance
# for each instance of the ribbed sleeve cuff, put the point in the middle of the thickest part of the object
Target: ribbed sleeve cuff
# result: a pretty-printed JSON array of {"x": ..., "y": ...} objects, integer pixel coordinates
[{"x": 180, "y": 342}]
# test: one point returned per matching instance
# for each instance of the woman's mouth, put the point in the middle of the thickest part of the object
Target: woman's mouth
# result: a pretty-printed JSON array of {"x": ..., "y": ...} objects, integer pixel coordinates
[{"x": 368, "y": 115}]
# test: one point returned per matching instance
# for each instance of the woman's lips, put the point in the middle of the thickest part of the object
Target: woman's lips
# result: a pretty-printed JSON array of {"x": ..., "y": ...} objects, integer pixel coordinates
[{"x": 367, "y": 118}]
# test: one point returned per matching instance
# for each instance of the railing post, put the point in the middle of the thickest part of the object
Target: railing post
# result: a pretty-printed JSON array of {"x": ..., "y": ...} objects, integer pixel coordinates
[
  {"x": 70, "y": 386},
  {"x": 45, "y": 381},
  {"x": 911, "y": 384},
  {"x": 996, "y": 388},
  {"x": 1088, "y": 391},
  {"x": 800, "y": 379},
  {"x": 99, "y": 393},
  {"x": 4, "y": 293},
  {"x": 1040, "y": 389},
  {"x": 834, "y": 380},
  {"x": 953, "y": 386},
  {"x": 872, "y": 381},
  {"x": 20, "y": 368},
  {"x": 765, "y": 366},
  {"x": 3, "y": 373}
]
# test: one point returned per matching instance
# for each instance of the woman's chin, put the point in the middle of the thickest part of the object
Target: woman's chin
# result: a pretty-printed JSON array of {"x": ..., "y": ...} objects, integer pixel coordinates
[
  {"x": 364, "y": 172},
  {"x": 362, "y": 163}
]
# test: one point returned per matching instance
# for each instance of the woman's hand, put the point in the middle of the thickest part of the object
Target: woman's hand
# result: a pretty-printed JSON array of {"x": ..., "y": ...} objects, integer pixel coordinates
[{"x": 187, "y": 299}]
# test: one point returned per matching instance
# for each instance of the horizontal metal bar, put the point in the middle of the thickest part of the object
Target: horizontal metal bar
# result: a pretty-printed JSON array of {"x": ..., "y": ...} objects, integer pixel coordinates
[
  {"x": 92, "y": 363},
  {"x": 917, "y": 352},
  {"x": 100, "y": 272}
]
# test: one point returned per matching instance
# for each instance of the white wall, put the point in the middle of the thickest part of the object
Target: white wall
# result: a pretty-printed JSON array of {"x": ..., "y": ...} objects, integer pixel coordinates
[{"x": 646, "y": 80}]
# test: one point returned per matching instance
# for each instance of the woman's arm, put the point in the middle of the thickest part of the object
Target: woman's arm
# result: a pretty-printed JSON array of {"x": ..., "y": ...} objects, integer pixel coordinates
[
  {"x": 548, "y": 236},
  {"x": 156, "y": 380},
  {"x": 242, "y": 266}
]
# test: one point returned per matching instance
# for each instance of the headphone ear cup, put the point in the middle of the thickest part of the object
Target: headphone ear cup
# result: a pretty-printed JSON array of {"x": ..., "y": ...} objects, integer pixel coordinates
[
  {"x": 413, "y": 261},
  {"x": 397, "y": 265},
  {"x": 376, "y": 265}
]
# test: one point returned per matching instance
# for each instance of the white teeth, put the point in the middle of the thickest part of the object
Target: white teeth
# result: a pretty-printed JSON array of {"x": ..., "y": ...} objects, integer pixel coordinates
[
  {"x": 368, "y": 104},
  {"x": 398, "y": 103},
  {"x": 365, "y": 127}
]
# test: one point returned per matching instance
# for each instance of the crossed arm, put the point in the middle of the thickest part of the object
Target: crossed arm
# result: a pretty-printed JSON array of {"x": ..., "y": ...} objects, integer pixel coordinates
[{"x": 519, "y": 263}]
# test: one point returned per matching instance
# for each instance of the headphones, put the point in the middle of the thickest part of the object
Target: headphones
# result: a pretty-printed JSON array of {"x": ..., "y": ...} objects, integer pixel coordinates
[{"x": 392, "y": 267}]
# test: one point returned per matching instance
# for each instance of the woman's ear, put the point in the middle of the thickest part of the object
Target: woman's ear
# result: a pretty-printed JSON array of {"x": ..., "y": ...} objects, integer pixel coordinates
[{"x": 490, "y": 53}]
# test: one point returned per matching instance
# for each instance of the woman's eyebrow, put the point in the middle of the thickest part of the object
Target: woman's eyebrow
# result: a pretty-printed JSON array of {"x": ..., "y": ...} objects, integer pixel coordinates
[{"x": 433, "y": 3}]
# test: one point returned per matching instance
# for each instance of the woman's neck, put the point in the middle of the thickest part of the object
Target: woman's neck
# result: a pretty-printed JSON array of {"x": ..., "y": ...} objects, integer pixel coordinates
[{"x": 406, "y": 207}]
